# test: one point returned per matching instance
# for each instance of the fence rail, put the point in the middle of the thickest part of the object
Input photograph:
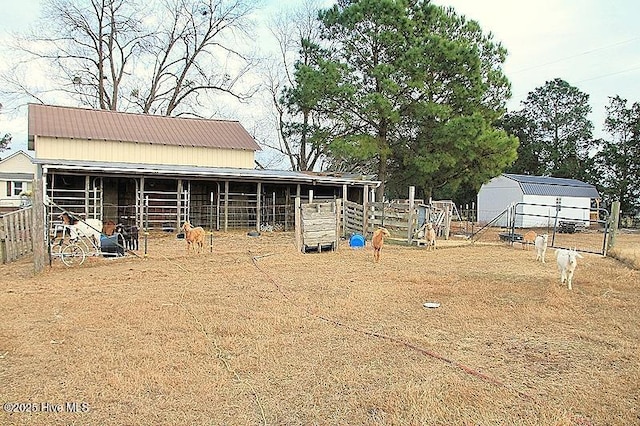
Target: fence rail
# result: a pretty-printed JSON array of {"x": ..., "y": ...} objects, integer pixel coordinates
[{"x": 16, "y": 235}]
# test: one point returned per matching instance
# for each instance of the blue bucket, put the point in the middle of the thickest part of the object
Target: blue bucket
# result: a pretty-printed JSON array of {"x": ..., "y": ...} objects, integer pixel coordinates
[
  {"x": 357, "y": 241},
  {"x": 112, "y": 246}
]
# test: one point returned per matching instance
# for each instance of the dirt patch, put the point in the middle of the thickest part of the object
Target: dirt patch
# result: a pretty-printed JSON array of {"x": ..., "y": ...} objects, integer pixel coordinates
[{"x": 257, "y": 333}]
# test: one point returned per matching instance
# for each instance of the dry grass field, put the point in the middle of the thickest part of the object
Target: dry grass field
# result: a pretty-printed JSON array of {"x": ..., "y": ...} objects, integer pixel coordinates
[{"x": 256, "y": 333}]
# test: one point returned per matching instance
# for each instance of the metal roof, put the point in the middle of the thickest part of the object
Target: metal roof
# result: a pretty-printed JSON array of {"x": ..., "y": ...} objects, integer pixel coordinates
[
  {"x": 164, "y": 170},
  {"x": 557, "y": 187},
  {"x": 92, "y": 124}
]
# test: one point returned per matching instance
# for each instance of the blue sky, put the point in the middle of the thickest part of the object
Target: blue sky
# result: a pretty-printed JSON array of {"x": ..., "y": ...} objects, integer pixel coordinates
[{"x": 592, "y": 44}]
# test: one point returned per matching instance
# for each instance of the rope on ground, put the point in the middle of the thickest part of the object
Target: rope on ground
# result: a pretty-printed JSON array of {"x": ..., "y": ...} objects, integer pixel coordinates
[
  {"x": 396, "y": 340},
  {"x": 219, "y": 352}
]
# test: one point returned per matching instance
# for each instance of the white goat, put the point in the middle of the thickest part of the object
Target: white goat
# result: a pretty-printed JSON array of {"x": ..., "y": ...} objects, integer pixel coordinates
[
  {"x": 567, "y": 262},
  {"x": 541, "y": 247}
]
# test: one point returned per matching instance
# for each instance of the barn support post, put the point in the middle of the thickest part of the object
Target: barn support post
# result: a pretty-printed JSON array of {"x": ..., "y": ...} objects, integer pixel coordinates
[
  {"x": 298, "y": 224},
  {"x": 226, "y": 205},
  {"x": 258, "y": 206},
  {"x": 286, "y": 208},
  {"x": 615, "y": 220},
  {"x": 87, "y": 191},
  {"x": 273, "y": 208},
  {"x": 365, "y": 210},
  {"x": 140, "y": 203},
  {"x": 39, "y": 236},
  {"x": 146, "y": 224},
  {"x": 412, "y": 213},
  {"x": 339, "y": 211},
  {"x": 310, "y": 196},
  {"x": 179, "y": 204},
  {"x": 345, "y": 190}
]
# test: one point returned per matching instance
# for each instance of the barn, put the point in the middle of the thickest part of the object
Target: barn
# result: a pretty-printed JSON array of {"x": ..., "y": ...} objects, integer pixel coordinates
[
  {"x": 536, "y": 201},
  {"x": 132, "y": 167}
]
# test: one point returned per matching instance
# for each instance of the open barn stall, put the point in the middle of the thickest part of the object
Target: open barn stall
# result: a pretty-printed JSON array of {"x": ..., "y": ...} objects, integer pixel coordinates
[{"x": 164, "y": 202}]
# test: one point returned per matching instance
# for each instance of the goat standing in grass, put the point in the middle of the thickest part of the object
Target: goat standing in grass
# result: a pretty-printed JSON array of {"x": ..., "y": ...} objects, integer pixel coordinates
[
  {"x": 194, "y": 236},
  {"x": 529, "y": 238},
  {"x": 541, "y": 247},
  {"x": 378, "y": 242},
  {"x": 567, "y": 262},
  {"x": 430, "y": 235}
]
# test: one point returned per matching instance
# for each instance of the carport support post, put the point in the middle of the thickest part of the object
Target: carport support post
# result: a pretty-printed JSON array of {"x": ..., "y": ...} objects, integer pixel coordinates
[{"x": 615, "y": 218}]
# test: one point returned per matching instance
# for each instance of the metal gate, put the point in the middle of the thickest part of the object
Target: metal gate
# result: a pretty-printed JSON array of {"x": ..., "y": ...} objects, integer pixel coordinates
[{"x": 594, "y": 220}]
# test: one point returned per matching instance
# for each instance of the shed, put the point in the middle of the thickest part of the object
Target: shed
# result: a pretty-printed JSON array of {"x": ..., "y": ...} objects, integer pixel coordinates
[{"x": 537, "y": 200}]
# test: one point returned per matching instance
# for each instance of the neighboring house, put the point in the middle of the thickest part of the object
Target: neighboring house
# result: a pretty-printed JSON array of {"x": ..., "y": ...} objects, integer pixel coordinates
[
  {"x": 17, "y": 172},
  {"x": 120, "y": 166},
  {"x": 538, "y": 200}
]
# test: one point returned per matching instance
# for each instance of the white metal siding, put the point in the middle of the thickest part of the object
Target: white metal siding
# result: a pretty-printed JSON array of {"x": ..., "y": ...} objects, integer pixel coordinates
[
  {"x": 127, "y": 152},
  {"x": 495, "y": 196}
]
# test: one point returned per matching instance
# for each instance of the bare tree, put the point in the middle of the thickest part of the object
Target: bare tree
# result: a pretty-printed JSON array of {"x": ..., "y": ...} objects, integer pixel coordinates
[
  {"x": 6, "y": 139},
  {"x": 295, "y": 31},
  {"x": 163, "y": 57}
]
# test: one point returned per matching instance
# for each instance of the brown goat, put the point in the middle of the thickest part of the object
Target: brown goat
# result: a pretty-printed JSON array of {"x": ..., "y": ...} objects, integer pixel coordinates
[
  {"x": 378, "y": 242},
  {"x": 193, "y": 236},
  {"x": 109, "y": 228},
  {"x": 529, "y": 238}
]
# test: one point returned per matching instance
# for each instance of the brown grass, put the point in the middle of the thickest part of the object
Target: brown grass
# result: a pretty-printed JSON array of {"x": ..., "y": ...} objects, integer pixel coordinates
[{"x": 257, "y": 333}]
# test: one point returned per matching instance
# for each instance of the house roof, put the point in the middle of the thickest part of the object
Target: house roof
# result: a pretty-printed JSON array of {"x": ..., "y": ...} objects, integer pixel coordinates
[
  {"x": 92, "y": 124},
  {"x": 15, "y": 154},
  {"x": 558, "y": 187},
  {"x": 164, "y": 170}
]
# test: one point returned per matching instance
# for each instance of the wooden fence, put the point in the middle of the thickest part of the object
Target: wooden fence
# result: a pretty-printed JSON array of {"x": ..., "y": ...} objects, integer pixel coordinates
[
  {"x": 404, "y": 220},
  {"x": 364, "y": 219},
  {"x": 16, "y": 235}
]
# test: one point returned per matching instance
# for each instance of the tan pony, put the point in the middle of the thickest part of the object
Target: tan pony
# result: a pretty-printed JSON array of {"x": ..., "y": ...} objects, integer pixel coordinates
[{"x": 194, "y": 237}]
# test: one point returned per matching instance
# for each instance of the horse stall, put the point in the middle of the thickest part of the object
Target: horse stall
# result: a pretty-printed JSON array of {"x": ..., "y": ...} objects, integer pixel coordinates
[{"x": 317, "y": 225}]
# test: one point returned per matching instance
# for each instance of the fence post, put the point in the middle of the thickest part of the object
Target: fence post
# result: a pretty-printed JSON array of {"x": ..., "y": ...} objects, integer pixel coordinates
[
  {"x": 412, "y": 195},
  {"x": 365, "y": 210},
  {"x": 615, "y": 219},
  {"x": 39, "y": 233},
  {"x": 3, "y": 241}
]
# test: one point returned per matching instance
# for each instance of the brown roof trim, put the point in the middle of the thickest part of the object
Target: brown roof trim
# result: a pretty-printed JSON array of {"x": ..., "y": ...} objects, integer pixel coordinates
[{"x": 92, "y": 124}]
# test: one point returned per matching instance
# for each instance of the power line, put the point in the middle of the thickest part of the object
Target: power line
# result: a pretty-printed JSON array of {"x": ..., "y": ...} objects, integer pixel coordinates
[
  {"x": 610, "y": 74},
  {"x": 575, "y": 56}
]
